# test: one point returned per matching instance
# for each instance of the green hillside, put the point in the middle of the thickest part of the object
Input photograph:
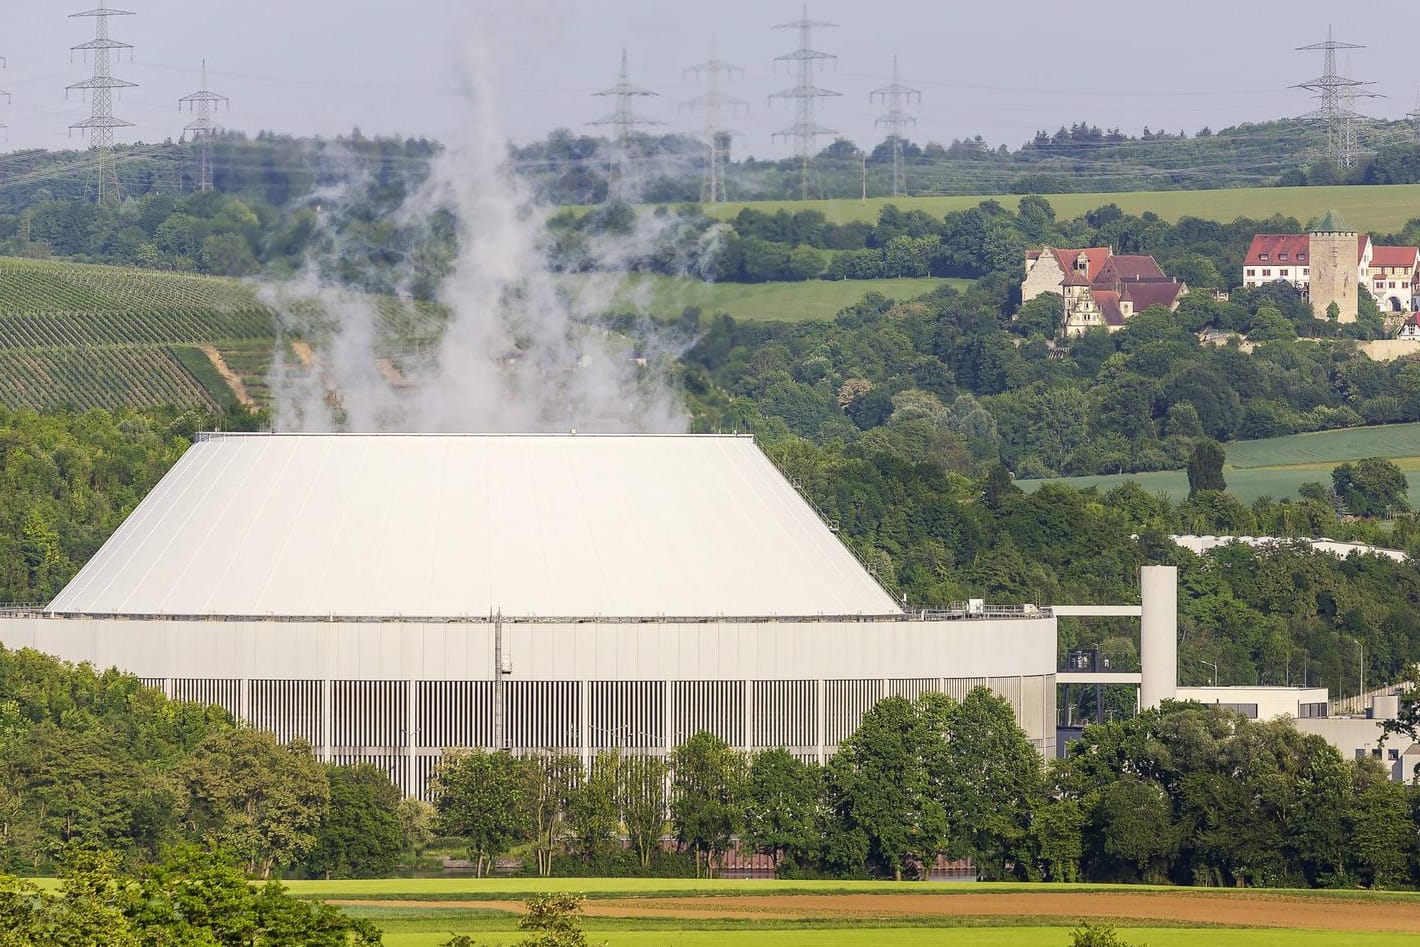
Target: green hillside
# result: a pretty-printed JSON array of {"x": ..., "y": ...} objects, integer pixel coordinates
[
  {"x": 1375, "y": 208},
  {"x": 667, "y": 297},
  {"x": 80, "y": 336},
  {"x": 1276, "y": 467}
]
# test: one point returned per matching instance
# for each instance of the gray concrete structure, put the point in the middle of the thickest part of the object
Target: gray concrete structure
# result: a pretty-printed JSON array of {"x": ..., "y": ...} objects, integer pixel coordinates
[{"x": 388, "y": 598}]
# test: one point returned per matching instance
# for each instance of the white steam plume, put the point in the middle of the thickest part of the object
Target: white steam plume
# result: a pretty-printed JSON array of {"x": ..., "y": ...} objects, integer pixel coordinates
[{"x": 517, "y": 354}]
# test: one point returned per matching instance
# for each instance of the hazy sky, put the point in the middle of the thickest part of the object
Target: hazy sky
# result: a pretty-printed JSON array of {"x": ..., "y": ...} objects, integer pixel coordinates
[{"x": 1001, "y": 70}]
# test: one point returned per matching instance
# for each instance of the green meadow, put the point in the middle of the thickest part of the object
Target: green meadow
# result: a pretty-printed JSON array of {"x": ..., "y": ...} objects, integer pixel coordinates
[
  {"x": 665, "y": 297},
  {"x": 1375, "y": 208},
  {"x": 1278, "y": 466}
]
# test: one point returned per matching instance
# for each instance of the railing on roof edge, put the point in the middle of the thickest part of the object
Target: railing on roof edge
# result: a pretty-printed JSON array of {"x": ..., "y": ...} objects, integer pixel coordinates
[{"x": 955, "y": 612}]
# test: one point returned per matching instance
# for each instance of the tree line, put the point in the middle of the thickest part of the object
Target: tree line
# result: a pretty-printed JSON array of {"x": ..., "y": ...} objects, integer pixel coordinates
[
  {"x": 98, "y": 759},
  {"x": 964, "y": 380},
  {"x": 1186, "y": 794}
]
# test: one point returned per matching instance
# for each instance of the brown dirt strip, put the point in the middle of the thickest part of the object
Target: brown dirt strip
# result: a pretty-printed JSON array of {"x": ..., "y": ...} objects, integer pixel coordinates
[
  {"x": 1259, "y": 910},
  {"x": 303, "y": 353},
  {"x": 234, "y": 381}
]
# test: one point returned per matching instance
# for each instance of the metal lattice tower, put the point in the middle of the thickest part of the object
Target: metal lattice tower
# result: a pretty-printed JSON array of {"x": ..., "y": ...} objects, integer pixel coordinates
[
  {"x": 896, "y": 96},
  {"x": 1338, "y": 95},
  {"x": 4, "y": 64},
  {"x": 1414, "y": 115},
  {"x": 99, "y": 87},
  {"x": 202, "y": 103},
  {"x": 714, "y": 103},
  {"x": 625, "y": 121},
  {"x": 804, "y": 94}
]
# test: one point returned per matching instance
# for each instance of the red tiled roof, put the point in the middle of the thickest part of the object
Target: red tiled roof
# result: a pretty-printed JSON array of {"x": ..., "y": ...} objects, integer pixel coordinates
[
  {"x": 1109, "y": 307},
  {"x": 1292, "y": 244},
  {"x": 1095, "y": 258},
  {"x": 1295, "y": 245},
  {"x": 1395, "y": 256},
  {"x": 1129, "y": 267},
  {"x": 1146, "y": 293}
]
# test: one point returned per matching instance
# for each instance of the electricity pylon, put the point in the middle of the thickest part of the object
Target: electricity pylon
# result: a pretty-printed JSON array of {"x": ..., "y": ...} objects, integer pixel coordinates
[
  {"x": 804, "y": 94},
  {"x": 896, "y": 120},
  {"x": 624, "y": 120},
  {"x": 202, "y": 103},
  {"x": 713, "y": 102},
  {"x": 99, "y": 87},
  {"x": 4, "y": 63},
  {"x": 1338, "y": 95}
]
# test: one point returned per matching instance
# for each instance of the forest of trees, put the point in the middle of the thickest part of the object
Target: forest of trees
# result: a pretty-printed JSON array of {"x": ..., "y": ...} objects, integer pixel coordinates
[
  {"x": 100, "y": 775},
  {"x": 962, "y": 379}
]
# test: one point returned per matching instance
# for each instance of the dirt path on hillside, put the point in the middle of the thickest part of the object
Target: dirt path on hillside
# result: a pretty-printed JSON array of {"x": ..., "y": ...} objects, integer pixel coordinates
[
  {"x": 233, "y": 380},
  {"x": 303, "y": 353},
  {"x": 1221, "y": 909},
  {"x": 390, "y": 372}
]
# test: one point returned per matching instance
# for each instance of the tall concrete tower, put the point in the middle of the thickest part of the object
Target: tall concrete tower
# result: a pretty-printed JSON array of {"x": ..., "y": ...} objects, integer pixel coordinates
[
  {"x": 1158, "y": 635},
  {"x": 1335, "y": 268}
]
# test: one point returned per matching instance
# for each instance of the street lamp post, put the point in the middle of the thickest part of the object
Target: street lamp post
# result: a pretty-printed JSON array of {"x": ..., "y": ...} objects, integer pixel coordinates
[
  {"x": 1215, "y": 670},
  {"x": 1361, "y": 645}
]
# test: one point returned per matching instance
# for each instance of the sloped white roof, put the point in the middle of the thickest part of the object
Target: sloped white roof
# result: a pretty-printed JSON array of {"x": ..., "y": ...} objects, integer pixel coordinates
[{"x": 467, "y": 525}]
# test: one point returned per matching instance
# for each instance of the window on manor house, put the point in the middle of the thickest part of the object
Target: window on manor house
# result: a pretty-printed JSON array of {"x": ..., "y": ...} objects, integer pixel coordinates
[
  {"x": 1252, "y": 272},
  {"x": 1264, "y": 256},
  {"x": 1281, "y": 256},
  {"x": 1282, "y": 272},
  {"x": 1266, "y": 272}
]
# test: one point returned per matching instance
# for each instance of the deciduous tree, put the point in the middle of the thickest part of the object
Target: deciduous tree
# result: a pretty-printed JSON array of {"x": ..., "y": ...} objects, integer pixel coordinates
[{"x": 482, "y": 798}]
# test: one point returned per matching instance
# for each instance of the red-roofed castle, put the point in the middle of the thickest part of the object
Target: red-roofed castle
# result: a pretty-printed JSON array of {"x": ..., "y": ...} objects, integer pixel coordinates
[
  {"x": 1392, "y": 274},
  {"x": 1101, "y": 289}
]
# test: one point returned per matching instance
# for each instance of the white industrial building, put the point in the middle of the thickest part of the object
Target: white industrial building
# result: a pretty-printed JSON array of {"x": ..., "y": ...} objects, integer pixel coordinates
[
  {"x": 1263, "y": 702},
  {"x": 386, "y": 597}
]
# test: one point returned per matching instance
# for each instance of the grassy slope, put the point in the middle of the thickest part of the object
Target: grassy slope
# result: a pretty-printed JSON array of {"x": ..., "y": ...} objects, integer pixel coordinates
[
  {"x": 666, "y": 297},
  {"x": 1380, "y": 208},
  {"x": 1277, "y": 466}
]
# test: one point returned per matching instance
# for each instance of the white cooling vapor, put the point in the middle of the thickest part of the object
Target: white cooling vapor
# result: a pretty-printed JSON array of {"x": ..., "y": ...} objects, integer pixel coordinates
[{"x": 517, "y": 355}]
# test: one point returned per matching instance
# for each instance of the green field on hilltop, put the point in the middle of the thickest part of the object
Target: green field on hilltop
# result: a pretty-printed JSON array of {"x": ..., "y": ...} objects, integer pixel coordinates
[
  {"x": 1277, "y": 466},
  {"x": 1327, "y": 447},
  {"x": 1373, "y": 208},
  {"x": 666, "y": 297}
]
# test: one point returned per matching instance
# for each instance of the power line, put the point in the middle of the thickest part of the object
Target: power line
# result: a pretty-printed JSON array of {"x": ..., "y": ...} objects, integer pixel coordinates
[
  {"x": 804, "y": 94},
  {"x": 202, "y": 102},
  {"x": 896, "y": 120},
  {"x": 1338, "y": 95},
  {"x": 713, "y": 102},
  {"x": 625, "y": 121},
  {"x": 101, "y": 121}
]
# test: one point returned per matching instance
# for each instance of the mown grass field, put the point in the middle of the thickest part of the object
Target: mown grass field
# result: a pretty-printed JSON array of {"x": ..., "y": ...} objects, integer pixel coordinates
[
  {"x": 689, "y": 913},
  {"x": 1278, "y": 466},
  {"x": 1375, "y": 208},
  {"x": 666, "y": 297}
]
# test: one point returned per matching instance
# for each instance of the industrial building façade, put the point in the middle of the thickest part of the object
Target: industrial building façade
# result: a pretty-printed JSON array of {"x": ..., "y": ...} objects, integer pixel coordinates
[{"x": 388, "y": 597}]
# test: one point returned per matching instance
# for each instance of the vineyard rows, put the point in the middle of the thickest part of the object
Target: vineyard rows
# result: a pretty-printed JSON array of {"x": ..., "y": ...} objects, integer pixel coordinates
[
  {"x": 152, "y": 327},
  {"x": 48, "y": 285},
  {"x": 109, "y": 378},
  {"x": 252, "y": 363}
]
